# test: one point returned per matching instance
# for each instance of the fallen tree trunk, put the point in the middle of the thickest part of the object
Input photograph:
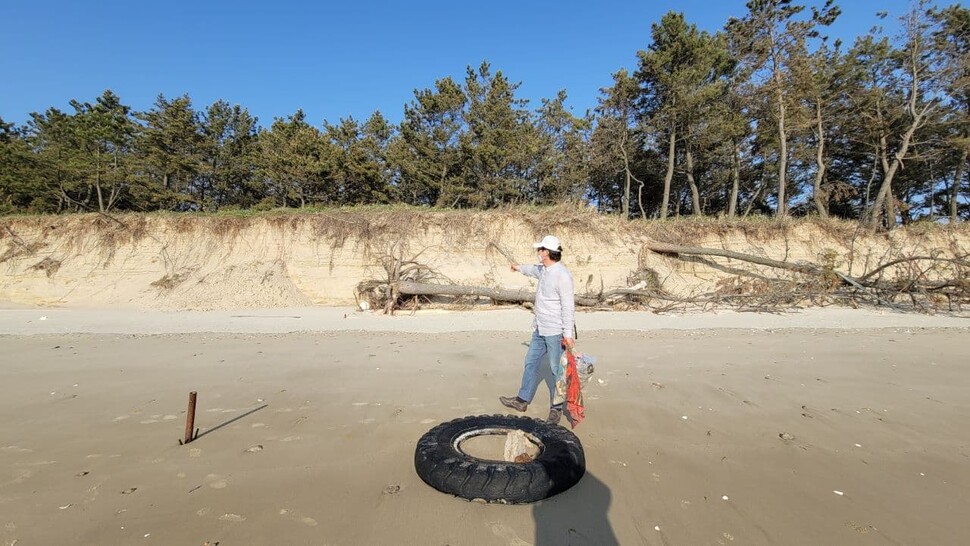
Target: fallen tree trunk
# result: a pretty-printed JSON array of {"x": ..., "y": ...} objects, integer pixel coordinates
[
  {"x": 882, "y": 291},
  {"x": 521, "y": 295},
  {"x": 824, "y": 282},
  {"x": 665, "y": 248},
  {"x": 411, "y": 288}
]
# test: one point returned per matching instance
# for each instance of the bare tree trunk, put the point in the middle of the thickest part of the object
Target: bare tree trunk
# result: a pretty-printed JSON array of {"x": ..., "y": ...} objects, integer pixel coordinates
[
  {"x": 820, "y": 200},
  {"x": 412, "y": 288},
  {"x": 97, "y": 177},
  {"x": 626, "y": 195},
  {"x": 694, "y": 193},
  {"x": 666, "y": 248},
  {"x": 955, "y": 188},
  {"x": 782, "y": 160},
  {"x": 754, "y": 198},
  {"x": 113, "y": 196},
  {"x": 735, "y": 182},
  {"x": 116, "y": 186},
  {"x": 643, "y": 213},
  {"x": 671, "y": 150},
  {"x": 890, "y": 208},
  {"x": 782, "y": 136},
  {"x": 918, "y": 115},
  {"x": 884, "y": 197},
  {"x": 629, "y": 175},
  {"x": 872, "y": 178}
]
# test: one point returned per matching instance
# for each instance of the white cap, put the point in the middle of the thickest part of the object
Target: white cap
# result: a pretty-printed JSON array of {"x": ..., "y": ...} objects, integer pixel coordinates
[{"x": 549, "y": 242}]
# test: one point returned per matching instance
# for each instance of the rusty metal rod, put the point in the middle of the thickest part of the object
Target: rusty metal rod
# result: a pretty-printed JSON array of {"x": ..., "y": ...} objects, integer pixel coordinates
[{"x": 190, "y": 419}]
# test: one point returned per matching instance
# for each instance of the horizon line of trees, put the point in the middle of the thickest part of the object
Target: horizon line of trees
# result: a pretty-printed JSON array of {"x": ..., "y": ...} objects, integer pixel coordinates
[{"x": 765, "y": 116}]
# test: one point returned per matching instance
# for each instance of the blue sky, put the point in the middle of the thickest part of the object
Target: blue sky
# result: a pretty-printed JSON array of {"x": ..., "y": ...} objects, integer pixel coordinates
[{"x": 332, "y": 59}]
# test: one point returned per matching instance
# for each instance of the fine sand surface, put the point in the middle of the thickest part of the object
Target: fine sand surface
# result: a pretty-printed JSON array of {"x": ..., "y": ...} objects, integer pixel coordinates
[{"x": 308, "y": 436}]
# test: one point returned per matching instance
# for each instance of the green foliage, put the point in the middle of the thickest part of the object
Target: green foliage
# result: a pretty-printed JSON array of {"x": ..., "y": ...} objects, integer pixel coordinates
[
  {"x": 428, "y": 151},
  {"x": 359, "y": 169},
  {"x": 500, "y": 147},
  {"x": 21, "y": 188},
  {"x": 169, "y": 149},
  {"x": 682, "y": 74},
  {"x": 563, "y": 166},
  {"x": 295, "y": 159},
  {"x": 230, "y": 156}
]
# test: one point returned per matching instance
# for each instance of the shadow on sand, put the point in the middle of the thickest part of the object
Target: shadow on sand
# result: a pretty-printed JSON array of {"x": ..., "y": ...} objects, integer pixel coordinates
[
  {"x": 576, "y": 517},
  {"x": 229, "y": 422}
]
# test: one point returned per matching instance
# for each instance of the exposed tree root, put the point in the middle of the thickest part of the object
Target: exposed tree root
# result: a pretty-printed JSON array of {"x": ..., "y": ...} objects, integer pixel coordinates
[{"x": 926, "y": 283}]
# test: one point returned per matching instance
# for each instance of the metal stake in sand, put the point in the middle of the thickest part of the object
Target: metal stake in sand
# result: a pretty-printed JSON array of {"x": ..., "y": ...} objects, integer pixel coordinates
[{"x": 190, "y": 419}]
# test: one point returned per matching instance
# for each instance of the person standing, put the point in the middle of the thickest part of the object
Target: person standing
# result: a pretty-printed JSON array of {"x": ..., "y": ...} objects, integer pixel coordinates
[{"x": 552, "y": 328}]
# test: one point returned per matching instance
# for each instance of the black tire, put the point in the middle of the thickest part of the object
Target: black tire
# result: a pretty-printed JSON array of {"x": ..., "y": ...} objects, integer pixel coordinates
[{"x": 442, "y": 465}]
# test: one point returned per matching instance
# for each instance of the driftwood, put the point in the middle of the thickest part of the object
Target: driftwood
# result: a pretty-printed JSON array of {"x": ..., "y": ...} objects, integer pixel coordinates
[
  {"x": 665, "y": 248},
  {"x": 914, "y": 284},
  {"x": 521, "y": 295},
  {"x": 411, "y": 288},
  {"x": 815, "y": 284}
]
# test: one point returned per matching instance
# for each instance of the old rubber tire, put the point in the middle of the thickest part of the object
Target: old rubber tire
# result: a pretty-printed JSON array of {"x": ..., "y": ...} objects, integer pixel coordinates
[{"x": 442, "y": 465}]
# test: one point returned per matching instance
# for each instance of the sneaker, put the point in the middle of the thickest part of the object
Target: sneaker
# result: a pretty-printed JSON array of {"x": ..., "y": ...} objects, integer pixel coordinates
[
  {"x": 555, "y": 414},
  {"x": 514, "y": 402}
]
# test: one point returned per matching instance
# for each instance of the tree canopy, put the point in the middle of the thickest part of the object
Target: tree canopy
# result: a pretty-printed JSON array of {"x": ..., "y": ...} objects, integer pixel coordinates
[{"x": 766, "y": 115}]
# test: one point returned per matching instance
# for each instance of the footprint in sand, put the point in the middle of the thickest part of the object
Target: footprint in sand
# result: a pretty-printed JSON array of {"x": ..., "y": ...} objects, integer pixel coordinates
[
  {"x": 22, "y": 475},
  {"x": 291, "y": 439},
  {"x": 235, "y": 518},
  {"x": 216, "y": 482},
  {"x": 203, "y": 512},
  {"x": 92, "y": 493},
  {"x": 169, "y": 417},
  {"x": 195, "y": 452},
  {"x": 507, "y": 533},
  {"x": 427, "y": 421},
  {"x": 257, "y": 425},
  {"x": 121, "y": 418},
  {"x": 305, "y": 520}
]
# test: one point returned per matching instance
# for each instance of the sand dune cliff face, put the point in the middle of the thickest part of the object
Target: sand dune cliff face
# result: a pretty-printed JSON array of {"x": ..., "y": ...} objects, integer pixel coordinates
[{"x": 172, "y": 262}]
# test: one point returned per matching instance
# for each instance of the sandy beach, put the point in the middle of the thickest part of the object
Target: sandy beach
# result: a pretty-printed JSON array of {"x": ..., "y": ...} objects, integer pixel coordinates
[{"x": 824, "y": 427}]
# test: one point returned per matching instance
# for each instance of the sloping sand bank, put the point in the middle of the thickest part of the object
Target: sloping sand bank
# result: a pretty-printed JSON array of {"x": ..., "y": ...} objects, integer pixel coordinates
[{"x": 172, "y": 262}]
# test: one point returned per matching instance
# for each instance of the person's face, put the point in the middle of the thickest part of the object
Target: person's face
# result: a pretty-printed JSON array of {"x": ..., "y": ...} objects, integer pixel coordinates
[{"x": 542, "y": 252}]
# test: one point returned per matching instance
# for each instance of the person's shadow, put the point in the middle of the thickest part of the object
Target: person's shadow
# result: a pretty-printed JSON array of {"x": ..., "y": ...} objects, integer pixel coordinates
[{"x": 575, "y": 517}]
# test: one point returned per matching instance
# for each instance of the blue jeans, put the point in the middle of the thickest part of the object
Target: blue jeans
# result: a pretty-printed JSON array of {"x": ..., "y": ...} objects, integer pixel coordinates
[{"x": 542, "y": 361}]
